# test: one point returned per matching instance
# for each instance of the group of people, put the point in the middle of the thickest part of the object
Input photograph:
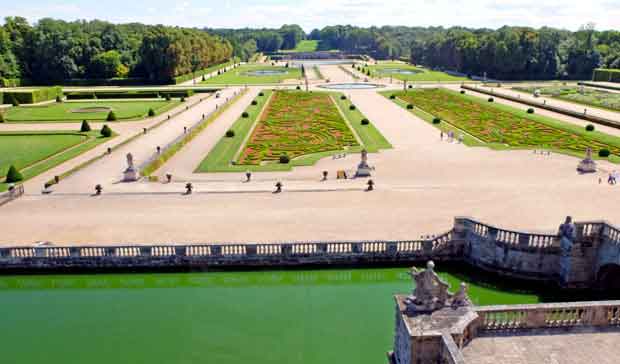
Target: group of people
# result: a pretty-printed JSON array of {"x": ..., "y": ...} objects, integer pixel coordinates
[
  {"x": 450, "y": 136},
  {"x": 613, "y": 178}
]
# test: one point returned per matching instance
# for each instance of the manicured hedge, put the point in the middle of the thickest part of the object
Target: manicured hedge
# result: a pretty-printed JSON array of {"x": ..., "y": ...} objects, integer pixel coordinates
[
  {"x": 145, "y": 94},
  {"x": 32, "y": 96},
  {"x": 606, "y": 75},
  {"x": 190, "y": 76}
]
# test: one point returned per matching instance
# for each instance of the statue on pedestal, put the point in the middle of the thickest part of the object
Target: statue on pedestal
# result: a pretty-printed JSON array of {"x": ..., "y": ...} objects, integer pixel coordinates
[
  {"x": 587, "y": 165},
  {"x": 363, "y": 169},
  {"x": 131, "y": 173},
  {"x": 431, "y": 292},
  {"x": 567, "y": 234}
]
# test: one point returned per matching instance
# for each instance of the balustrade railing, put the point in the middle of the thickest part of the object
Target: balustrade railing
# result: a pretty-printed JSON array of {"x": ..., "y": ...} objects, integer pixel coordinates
[
  {"x": 551, "y": 315},
  {"x": 389, "y": 248}
]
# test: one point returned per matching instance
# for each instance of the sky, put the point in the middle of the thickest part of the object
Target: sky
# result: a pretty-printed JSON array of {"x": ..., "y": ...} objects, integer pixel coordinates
[{"x": 567, "y": 14}]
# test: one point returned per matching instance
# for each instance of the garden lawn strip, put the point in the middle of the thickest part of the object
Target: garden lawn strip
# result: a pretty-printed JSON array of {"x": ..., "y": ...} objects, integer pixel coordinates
[{"x": 497, "y": 124}]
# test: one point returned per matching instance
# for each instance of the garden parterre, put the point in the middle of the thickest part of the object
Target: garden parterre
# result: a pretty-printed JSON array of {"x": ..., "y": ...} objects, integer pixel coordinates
[
  {"x": 74, "y": 111},
  {"x": 249, "y": 74},
  {"x": 506, "y": 126},
  {"x": 407, "y": 72},
  {"x": 295, "y": 124},
  {"x": 590, "y": 97}
]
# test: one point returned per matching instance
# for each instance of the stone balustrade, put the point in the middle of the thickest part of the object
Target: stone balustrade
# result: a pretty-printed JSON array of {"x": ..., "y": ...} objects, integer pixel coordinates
[
  {"x": 521, "y": 254},
  {"x": 547, "y": 316}
]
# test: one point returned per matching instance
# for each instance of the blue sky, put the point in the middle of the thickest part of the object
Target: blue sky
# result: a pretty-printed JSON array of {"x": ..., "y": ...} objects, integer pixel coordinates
[{"x": 569, "y": 14}]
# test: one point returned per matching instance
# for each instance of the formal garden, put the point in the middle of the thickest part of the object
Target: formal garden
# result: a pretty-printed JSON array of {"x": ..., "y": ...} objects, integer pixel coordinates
[
  {"x": 252, "y": 74},
  {"x": 95, "y": 110},
  {"x": 282, "y": 129},
  {"x": 585, "y": 96},
  {"x": 484, "y": 122},
  {"x": 405, "y": 72},
  {"x": 32, "y": 153}
]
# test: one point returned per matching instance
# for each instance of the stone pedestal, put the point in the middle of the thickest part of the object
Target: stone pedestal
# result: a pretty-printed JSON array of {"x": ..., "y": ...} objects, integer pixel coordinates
[
  {"x": 363, "y": 169},
  {"x": 588, "y": 165},
  {"x": 130, "y": 175}
]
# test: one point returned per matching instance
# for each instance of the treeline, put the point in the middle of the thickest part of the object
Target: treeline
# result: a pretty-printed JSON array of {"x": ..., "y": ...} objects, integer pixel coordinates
[
  {"x": 247, "y": 42},
  {"x": 54, "y": 50},
  {"x": 505, "y": 53}
]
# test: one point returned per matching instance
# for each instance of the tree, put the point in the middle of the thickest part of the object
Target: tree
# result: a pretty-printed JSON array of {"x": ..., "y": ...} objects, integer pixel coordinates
[
  {"x": 85, "y": 127},
  {"x": 106, "y": 65},
  {"x": 111, "y": 116},
  {"x": 13, "y": 175},
  {"x": 106, "y": 132}
]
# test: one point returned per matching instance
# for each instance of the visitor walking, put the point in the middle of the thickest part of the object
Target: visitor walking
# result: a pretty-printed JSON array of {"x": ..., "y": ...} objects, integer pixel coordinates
[{"x": 441, "y": 135}]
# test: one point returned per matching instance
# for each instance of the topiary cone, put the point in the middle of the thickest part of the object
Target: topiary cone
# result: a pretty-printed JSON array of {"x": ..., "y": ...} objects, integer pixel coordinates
[
  {"x": 85, "y": 126},
  {"x": 13, "y": 175}
]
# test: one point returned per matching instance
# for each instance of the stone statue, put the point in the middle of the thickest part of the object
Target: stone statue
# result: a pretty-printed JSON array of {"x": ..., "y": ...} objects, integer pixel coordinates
[
  {"x": 131, "y": 173},
  {"x": 363, "y": 169},
  {"x": 588, "y": 165},
  {"x": 567, "y": 234},
  {"x": 130, "y": 161},
  {"x": 431, "y": 293}
]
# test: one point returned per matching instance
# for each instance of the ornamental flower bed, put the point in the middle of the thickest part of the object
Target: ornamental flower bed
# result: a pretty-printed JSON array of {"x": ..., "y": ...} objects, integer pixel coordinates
[
  {"x": 492, "y": 124},
  {"x": 294, "y": 124}
]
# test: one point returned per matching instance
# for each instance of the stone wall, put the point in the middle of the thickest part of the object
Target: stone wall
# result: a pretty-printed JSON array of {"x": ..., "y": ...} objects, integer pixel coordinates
[{"x": 521, "y": 254}]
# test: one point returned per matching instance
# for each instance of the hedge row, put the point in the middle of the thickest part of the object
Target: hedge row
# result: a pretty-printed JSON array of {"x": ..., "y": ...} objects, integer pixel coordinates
[
  {"x": 31, "y": 96},
  {"x": 190, "y": 76},
  {"x": 606, "y": 75},
  {"x": 146, "y": 94}
]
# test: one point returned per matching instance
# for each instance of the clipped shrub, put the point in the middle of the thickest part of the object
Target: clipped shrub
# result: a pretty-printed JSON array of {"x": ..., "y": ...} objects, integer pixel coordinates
[
  {"x": 392, "y": 97},
  {"x": 284, "y": 159},
  {"x": 85, "y": 126},
  {"x": 58, "y": 99},
  {"x": 462, "y": 92},
  {"x": 436, "y": 120},
  {"x": 254, "y": 102},
  {"x": 261, "y": 94},
  {"x": 13, "y": 175},
  {"x": 410, "y": 86},
  {"x": 1, "y": 117},
  {"x": 111, "y": 116},
  {"x": 589, "y": 127},
  {"x": 604, "y": 153},
  {"x": 183, "y": 99},
  {"x": 530, "y": 110},
  {"x": 168, "y": 98},
  {"x": 409, "y": 106},
  {"x": 106, "y": 132},
  {"x": 245, "y": 114},
  {"x": 352, "y": 107},
  {"x": 151, "y": 112},
  {"x": 298, "y": 88},
  {"x": 230, "y": 133},
  {"x": 365, "y": 122},
  {"x": 368, "y": 73},
  {"x": 343, "y": 97},
  {"x": 490, "y": 99},
  {"x": 14, "y": 102}
]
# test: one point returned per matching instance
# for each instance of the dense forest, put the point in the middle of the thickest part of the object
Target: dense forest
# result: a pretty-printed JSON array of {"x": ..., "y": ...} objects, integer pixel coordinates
[
  {"x": 505, "y": 53},
  {"x": 55, "y": 50},
  {"x": 248, "y": 41}
]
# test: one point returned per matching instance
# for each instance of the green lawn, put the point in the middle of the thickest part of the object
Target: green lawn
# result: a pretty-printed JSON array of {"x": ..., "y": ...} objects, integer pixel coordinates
[
  {"x": 242, "y": 75},
  {"x": 66, "y": 111},
  {"x": 285, "y": 128},
  {"x": 35, "y": 152},
  {"x": 305, "y": 46},
  {"x": 407, "y": 72},
  {"x": 590, "y": 97},
  {"x": 503, "y": 127}
]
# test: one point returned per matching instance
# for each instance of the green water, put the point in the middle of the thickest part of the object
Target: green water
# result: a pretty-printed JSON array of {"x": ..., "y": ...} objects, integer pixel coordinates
[{"x": 309, "y": 317}]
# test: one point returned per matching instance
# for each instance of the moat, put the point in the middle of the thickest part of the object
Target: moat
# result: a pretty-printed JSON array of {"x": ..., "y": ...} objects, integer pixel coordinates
[{"x": 297, "y": 316}]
